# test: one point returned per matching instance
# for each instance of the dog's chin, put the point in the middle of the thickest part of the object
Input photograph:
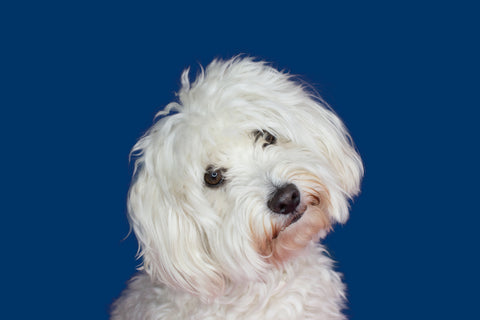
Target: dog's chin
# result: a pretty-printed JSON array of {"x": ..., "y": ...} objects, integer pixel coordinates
[{"x": 301, "y": 229}]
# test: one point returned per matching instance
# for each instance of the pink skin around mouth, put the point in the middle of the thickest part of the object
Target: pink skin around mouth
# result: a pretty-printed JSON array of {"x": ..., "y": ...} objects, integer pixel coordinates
[{"x": 298, "y": 214}]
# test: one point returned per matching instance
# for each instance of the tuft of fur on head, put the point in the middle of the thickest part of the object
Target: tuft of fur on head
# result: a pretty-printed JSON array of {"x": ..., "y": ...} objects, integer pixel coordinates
[{"x": 206, "y": 240}]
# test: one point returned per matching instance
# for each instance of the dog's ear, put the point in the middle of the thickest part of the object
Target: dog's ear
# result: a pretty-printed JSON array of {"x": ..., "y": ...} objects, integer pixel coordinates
[
  {"x": 323, "y": 131},
  {"x": 172, "y": 240}
]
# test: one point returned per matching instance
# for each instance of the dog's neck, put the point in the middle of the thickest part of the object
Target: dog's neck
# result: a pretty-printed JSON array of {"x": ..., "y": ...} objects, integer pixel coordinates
[{"x": 279, "y": 278}]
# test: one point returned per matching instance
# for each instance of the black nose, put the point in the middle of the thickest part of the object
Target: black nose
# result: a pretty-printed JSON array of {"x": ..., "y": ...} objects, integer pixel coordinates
[{"x": 285, "y": 200}]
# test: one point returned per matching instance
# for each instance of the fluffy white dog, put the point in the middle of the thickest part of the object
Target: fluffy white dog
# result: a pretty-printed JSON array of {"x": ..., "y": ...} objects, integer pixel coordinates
[{"x": 233, "y": 189}]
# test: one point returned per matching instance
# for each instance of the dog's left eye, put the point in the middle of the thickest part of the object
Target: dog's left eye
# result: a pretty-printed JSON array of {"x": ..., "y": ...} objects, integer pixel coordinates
[
  {"x": 214, "y": 177},
  {"x": 267, "y": 136}
]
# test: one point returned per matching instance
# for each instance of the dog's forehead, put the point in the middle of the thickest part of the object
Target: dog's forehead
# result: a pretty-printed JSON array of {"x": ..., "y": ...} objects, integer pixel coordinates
[
  {"x": 227, "y": 136},
  {"x": 222, "y": 124}
]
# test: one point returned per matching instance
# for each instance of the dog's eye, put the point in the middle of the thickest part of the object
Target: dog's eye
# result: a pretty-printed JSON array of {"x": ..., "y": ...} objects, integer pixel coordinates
[
  {"x": 257, "y": 134},
  {"x": 214, "y": 177},
  {"x": 267, "y": 136}
]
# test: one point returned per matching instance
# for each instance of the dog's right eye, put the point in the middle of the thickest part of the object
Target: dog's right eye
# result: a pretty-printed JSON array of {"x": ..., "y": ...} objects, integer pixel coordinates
[{"x": 214, "y": 177}]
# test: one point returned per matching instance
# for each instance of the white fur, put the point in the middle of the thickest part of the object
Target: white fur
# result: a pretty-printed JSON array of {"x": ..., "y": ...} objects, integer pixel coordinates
[{"x": 221, "y": 253}]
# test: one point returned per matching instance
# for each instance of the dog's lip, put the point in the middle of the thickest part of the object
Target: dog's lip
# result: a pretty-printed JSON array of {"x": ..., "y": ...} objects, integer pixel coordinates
[
  {"x": 298, "y": 214},
  {"x": 296, "y": 218}
]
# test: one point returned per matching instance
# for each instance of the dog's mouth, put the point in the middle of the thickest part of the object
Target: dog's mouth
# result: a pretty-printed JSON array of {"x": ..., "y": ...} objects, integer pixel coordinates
[{"x": 296, "y": 217}]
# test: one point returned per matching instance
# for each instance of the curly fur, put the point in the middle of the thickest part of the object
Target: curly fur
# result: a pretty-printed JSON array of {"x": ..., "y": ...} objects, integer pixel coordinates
[{"x": 221, "y": 253}]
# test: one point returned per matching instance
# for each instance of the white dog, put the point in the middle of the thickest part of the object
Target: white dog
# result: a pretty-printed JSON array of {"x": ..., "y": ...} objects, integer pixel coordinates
[{"x": 233, "y": 189}]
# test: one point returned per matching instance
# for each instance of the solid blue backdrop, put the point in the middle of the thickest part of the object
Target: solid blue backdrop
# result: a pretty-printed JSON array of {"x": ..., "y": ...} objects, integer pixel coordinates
[{"x": 81, "y": 82}]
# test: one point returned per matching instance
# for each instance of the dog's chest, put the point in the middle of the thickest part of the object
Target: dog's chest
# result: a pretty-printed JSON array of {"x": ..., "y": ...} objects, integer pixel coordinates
[{"x": 313, "y": 292}]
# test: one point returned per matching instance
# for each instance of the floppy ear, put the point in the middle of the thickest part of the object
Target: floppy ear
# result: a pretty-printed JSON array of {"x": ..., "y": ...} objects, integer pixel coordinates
[
  {"x": 324, "y": 132},
  {"x": 337, "y": 143},
  {"x": 172, "y": 241}
]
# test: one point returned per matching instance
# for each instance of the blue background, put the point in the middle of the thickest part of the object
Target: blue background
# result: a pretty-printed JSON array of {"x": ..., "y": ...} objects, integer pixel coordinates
[{"x": 81, "y": 82}]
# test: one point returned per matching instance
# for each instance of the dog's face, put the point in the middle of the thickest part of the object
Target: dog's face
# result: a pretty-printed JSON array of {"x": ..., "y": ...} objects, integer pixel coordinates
[{"x": 249, "y": 171}]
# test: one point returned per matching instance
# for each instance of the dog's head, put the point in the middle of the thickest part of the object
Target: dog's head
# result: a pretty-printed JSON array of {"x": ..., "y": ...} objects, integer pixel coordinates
[{"x": 243, "y": 173}]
